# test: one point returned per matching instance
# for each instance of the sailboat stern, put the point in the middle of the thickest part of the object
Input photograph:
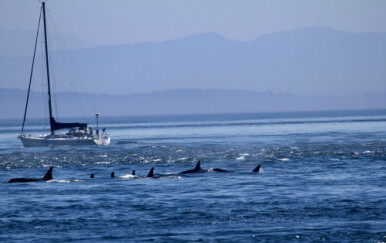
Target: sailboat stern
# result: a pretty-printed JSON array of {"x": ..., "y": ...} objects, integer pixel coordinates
[{"x": 103, "y": 140}]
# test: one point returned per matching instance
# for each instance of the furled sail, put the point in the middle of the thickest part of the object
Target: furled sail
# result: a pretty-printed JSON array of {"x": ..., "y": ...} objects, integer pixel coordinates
[{"x": 60, "y": 125}]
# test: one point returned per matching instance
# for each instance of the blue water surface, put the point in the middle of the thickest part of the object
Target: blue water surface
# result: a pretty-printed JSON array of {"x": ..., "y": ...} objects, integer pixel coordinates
[{"x": 323, "y": 179}]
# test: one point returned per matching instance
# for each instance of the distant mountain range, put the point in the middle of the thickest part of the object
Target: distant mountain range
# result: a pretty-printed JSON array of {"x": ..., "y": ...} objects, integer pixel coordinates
[
  {"x": 20, "y": 43},
  {"x": 310, "y": 61},
  {"x": 191, "y": 101}
]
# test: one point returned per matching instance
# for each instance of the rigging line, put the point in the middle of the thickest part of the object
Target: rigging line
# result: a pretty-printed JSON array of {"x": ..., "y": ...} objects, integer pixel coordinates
[
  {"x": 32, "y": 70},
  {"x": 54, "y": 80},
  {"x": 44, "y": 87},
  {"x": 55, "y": 44},
  {"x": 72, "y": 72}
]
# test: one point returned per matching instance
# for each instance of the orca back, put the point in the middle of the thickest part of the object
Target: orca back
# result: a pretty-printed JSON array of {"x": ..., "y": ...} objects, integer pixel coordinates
[
  {"x": 48, "y": 175},
  {"x": 16, "y": 180},
  {"x": 151, "y": 174},
  {"x": 196, "y": 169},
  {"x": 222, "y": 170},
  {"x": 257, "y": 169},
  {"x": 198, "y": 166}
]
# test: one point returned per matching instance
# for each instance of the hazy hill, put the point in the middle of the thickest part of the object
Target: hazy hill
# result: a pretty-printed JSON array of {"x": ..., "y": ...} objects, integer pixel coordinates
[
  {"x": 19, "y": 43},
  {"x": 308, "y": 61},
  {"x": 12, "y": 103}
]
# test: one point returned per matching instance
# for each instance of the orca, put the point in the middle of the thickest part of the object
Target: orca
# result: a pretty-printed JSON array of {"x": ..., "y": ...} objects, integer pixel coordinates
[
  {"x": 133, "y": 175},
  {"x": 47, "y": 177},
  {"x": 92, "y": 175},
  {"x": 196, "y": 169},
  {"x": 112, "y": 174},
  {"x": 222, "y": 170},
  {"x": 257, "y": 169},
  {"x": 151, "y": 174}
]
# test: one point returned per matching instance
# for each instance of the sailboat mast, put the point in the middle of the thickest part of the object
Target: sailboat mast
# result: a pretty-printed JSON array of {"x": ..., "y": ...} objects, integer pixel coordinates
[{"x": 47, "y": 64}]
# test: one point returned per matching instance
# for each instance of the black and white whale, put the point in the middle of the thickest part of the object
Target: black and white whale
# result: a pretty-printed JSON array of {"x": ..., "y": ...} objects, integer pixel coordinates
[
  {"x": 133, "y": 175},
  {"x": 151, "y": 174},
  {"x": 257, "y": 169},
  {"x": 221, "y": 170},
  {"x": 198, "y": 169},
  {"x": 47, "y": 177}
]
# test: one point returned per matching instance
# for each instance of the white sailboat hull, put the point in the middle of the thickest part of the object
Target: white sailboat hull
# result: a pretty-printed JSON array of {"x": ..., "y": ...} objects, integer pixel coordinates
[{"x": 44, "y": 141}]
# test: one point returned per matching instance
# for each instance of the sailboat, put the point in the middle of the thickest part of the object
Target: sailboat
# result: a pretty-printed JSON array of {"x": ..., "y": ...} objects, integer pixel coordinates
[{"x": 78, "y": 134}]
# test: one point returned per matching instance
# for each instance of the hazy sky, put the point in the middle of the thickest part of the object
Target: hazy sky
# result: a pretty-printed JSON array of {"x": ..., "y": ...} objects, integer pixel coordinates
[
  {"x": 108, "y": 22},
  {"x": 126, "y": 21}
]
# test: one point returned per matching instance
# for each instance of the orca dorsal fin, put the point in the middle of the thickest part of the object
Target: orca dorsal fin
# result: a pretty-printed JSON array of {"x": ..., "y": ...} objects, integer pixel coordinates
[
  {"x": 112, "y": 174},
  {"x": 198, "y": 166},
  {"x": 150, "y": 172},
  {"x": 257, "y": 169},
  {"x": 133, "y": 173},
  {"x": 92, "y": 175},
  {"x": 48, "y": 175}
]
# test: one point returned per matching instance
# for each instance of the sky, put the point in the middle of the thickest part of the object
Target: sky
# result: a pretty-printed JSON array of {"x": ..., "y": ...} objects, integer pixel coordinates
[
  {"x": 91, "y": 23},
  {"x": 102, "y": 22}
]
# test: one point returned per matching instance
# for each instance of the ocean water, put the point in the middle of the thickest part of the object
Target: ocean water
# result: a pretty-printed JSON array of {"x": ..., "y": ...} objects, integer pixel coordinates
[{"x": 323, "y": 178}]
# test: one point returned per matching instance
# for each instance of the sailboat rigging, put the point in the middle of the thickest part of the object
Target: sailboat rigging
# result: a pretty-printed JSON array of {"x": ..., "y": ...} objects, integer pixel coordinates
[{"x": 79, "y": 133}]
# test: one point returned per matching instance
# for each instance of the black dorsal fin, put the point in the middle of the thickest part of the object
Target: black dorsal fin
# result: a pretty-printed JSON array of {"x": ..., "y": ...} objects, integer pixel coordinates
[
  {"x": 112, "y": 174},
  {"x": 198, "y": 166},
  {"x": 151, "y": 172},
  {"x": 133, "y": 173},
  {"x": 257, "y": 169},
  {"x": 92, "y": 175},
  {"x": 48, "y": 175}
]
